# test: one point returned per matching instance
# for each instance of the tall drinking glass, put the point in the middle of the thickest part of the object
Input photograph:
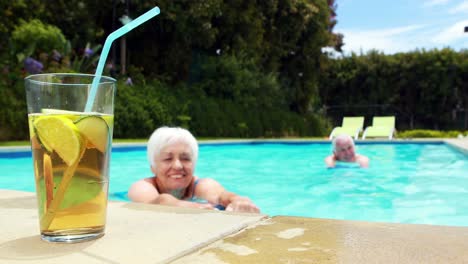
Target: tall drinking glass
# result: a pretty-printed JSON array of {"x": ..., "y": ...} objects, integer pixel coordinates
[{"x": 71, "y": 153}]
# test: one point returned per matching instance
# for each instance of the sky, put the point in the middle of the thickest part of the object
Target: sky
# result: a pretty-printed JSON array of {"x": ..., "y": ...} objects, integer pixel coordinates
[{"x": 393, "y": 26}]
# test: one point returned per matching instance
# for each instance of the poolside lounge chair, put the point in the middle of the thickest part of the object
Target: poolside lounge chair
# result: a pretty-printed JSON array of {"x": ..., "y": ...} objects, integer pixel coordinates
[
  {"x": 351, "y": 125},
  {"x": 382, "y": 126}
]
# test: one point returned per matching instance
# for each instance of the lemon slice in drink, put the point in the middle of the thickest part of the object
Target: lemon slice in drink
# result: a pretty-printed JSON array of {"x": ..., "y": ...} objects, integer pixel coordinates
[
  {"x": 60, "y": 135},
  {"x": 52, "y": 111},
  {"x": 95, "y": 129},
  {"x": 72, "y": 115}
]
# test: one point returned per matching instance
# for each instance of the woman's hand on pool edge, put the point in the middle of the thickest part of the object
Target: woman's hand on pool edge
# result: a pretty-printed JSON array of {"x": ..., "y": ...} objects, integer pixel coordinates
[
  {"x": 214, "y": 193},
  {"x": 242, "y": 204},
  {"x": 205, "y": 206}
]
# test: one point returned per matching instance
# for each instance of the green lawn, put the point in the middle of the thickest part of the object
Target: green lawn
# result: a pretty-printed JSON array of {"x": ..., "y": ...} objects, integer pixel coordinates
[{"x": 14, "y": 143}]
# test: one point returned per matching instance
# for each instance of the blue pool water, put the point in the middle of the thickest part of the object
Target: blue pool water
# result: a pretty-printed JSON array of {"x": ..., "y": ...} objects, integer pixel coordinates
[{"x": 406, "y": 183}]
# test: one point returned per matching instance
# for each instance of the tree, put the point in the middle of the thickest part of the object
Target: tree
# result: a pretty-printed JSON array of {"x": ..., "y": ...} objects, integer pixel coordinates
[{"x": 336, "y": 38}]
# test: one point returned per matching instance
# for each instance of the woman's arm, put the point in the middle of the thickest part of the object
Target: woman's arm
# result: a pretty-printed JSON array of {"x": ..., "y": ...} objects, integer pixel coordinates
[
  {"x": 214, "y": 193},
  {"x": 234, "y": 202}
]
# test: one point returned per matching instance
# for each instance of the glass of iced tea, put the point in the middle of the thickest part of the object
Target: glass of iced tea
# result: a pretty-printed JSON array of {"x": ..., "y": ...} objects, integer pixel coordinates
[{"x": 71, "y": 151}]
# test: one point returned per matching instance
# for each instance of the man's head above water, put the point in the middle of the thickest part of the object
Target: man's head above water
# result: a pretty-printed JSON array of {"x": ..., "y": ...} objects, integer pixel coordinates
[{"x": 343, "y": 148}]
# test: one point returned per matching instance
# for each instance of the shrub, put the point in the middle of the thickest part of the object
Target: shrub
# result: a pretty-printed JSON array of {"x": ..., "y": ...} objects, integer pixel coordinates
[
  {"x": 139, "y": 109},
  {"x": 13, "y": 116},
  {"x": 34, "y": 37},
  {"x": 422, "y": 133}
]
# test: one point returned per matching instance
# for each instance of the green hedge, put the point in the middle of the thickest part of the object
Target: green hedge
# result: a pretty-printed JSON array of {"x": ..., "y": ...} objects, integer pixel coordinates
[
  {"x": 139, "y": 109},
  {"x": 421, "y": 133},
  {"x": 13, "y": 112},
  {"x": 142, "y": 107}
]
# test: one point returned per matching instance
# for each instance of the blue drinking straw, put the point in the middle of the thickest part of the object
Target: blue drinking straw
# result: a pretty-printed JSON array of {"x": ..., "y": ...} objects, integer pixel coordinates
[{"x": 105, "y": 50}]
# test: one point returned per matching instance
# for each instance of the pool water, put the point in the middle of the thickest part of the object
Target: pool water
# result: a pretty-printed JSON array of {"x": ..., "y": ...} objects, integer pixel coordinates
[{"x": 405, "y": 183}]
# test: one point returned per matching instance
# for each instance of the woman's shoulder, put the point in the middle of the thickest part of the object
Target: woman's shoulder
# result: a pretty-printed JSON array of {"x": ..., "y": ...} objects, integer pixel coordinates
[
  {"x": 143, "y": 183},
  {"x": 208, "y": 189},
  {"x": 202, "y": 185},
  {"x": 204, "y": 181},
  {"x": 142, "y": 190},
  {"x": 149, "y": 179}
]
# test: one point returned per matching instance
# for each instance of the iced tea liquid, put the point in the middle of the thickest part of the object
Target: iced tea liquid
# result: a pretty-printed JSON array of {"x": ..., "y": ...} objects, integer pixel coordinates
[{"x": 71, "y": 154}]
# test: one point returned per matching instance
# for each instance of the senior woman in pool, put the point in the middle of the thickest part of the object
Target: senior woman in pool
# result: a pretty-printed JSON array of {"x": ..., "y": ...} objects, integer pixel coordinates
[{"x": 172, "y": 154}]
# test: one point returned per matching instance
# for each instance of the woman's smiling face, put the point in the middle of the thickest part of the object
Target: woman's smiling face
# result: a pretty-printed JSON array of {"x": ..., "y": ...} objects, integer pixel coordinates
[{"x": 174, "y": 167}]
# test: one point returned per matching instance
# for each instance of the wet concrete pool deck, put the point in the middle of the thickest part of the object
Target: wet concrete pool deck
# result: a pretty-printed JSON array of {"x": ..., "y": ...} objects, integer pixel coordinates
[{"x": 142, "y": 233}]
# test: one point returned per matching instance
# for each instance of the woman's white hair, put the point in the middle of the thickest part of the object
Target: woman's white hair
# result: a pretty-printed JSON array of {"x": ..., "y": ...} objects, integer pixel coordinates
[{"x": 165, "y": 136}]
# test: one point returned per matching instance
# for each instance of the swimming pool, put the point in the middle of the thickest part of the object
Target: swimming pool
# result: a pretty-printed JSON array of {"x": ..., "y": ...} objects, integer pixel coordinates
[{"x": 406, "y": 182}]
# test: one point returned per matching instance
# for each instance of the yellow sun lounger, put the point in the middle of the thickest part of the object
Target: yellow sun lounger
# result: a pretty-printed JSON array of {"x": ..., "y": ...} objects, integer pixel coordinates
[
  {"x": 382, "y": 126},
  {"x": 351, "y": 125}
]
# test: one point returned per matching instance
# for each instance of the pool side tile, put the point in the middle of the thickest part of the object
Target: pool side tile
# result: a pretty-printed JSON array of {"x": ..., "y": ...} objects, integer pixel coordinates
[
  {"x": 135, "y": 233},
  {"x": 460, "y": 144},
  {"x": 309, "y": 240}
]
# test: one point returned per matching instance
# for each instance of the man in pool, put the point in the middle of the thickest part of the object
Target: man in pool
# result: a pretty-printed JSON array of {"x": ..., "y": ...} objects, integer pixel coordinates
[
  {"x": 343, "y": 150},
  {"x": 172, "y": 154}
]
